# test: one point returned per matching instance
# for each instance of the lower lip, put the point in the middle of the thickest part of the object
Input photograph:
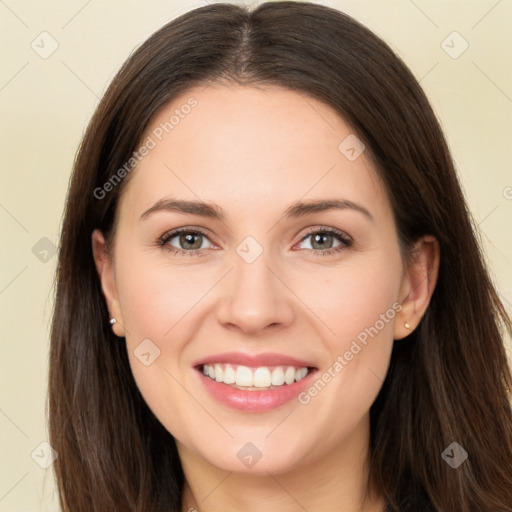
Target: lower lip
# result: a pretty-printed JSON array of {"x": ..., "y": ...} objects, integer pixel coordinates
[{"x": 255, "y": 401}]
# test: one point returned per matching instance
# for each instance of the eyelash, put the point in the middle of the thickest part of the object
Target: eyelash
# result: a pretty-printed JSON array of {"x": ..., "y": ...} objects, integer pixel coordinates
[{"x": 345, "y": 240}]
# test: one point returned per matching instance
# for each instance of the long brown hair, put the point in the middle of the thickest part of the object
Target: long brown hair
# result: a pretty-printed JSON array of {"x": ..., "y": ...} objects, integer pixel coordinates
[{"x": 448, "y": 381}]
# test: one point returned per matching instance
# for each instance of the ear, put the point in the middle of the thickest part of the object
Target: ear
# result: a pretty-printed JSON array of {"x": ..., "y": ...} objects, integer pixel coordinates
[
  {"x": 418, "y": 285},
  {"x": 105, "y": 269}
]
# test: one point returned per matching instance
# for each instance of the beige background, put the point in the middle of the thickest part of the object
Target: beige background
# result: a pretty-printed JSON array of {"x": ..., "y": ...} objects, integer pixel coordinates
[{"x": 47, "y": 103}]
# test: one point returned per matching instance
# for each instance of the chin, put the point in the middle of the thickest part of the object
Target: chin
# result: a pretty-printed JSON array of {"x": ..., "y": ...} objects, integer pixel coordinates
[{"x": 252, "y": 455}]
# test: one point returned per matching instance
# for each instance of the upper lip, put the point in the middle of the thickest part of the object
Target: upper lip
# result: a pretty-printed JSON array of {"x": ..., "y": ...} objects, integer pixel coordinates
[{"x": 254, "y": 360}]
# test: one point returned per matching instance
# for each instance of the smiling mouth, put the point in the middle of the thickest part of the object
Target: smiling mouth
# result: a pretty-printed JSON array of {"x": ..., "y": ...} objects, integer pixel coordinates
[{"x": 261, "y": 378}]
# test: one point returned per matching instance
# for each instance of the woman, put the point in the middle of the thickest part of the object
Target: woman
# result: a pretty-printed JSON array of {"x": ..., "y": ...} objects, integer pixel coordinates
[{"x": 256, "y": 369}]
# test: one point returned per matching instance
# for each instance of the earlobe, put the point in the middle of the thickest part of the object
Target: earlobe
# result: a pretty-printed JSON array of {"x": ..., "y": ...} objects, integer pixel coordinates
[
  {"x": 418, "y": 285},
  {"x": 105, "y": 270}
]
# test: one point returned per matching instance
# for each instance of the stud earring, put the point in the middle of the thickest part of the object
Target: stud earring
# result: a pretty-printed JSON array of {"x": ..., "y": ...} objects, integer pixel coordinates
[
  {"x": 113, "y": 321},
  {"x": 407, "y": 326}
]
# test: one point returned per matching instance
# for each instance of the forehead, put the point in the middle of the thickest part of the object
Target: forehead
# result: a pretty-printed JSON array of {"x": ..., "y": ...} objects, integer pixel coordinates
[{"x": 252, "y": 150}]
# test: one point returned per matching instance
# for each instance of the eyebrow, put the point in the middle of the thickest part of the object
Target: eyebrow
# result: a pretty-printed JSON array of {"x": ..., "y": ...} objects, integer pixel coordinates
[{"x": 213, "y": 211}]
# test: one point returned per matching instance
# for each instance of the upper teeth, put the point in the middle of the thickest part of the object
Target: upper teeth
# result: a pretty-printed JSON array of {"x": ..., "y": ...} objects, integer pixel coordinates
[{"x": 261, "y": 377}]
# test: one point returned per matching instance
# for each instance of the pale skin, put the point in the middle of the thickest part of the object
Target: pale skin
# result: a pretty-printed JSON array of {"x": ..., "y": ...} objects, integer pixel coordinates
[{"x": 254, "y": 152}]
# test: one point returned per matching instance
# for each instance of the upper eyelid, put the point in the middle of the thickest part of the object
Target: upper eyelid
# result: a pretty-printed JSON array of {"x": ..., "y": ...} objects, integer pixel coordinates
[{"x": 327, "y": 229}]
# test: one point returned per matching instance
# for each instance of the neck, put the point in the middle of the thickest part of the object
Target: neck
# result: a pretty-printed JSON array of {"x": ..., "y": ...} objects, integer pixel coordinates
[{"x": 338, "y": 477}]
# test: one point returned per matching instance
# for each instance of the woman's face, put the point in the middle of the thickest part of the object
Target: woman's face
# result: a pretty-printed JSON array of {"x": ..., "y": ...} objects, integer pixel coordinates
[{"x": 259, "y": 282}]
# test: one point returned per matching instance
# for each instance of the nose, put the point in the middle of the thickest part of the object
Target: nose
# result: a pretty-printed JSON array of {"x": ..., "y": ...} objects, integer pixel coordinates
[{"x": 255, "y": 297}]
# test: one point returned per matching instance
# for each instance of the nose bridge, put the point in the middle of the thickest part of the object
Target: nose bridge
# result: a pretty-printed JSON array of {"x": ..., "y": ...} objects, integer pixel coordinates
[{"x": 256, "y": 297}]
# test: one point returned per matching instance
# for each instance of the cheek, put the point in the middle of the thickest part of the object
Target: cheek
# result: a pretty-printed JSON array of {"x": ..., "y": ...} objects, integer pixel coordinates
[
  {"x": 348, "y": 299},
  {"x": 357, "y": 306},
  {"x": 157, "y": 304},
  {"x": 156, "y": 298}
]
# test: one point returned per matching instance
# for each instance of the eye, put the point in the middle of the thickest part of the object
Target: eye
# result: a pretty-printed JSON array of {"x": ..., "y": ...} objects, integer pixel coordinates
[
  {"x": 322, "y": 240},
  {"x": 188, "y": 241}
]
